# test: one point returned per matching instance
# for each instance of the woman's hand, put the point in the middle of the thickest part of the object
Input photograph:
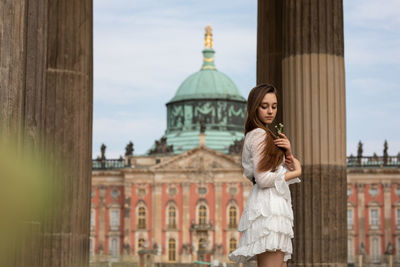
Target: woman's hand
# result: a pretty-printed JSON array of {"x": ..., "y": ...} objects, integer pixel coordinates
[{"x": 284, "y": 143}]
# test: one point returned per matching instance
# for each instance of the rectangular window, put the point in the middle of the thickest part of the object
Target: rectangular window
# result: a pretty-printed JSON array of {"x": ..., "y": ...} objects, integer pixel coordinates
[
  {"x": 375, "y": 251},
  {"x": 350, "y": 250},
  {"x": 398, "y": 217},
  {"x": 374, "y": 218},
  {"x": 92, "y": 219},
  {"x": 349, "y": 219},
  {"x": 398, "y": 246},
  {"x": 114, "y": 247},
  {"x": 114, "y": 219},
  {"x": 91, "y": 248}
]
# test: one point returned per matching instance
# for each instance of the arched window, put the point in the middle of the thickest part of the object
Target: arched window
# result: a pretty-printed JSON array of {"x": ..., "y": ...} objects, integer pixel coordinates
[
  {"x": 232, "y": 245},
  {"x": 140, "y": 243},
  {"x": 202, "y": 244},
  {"x": 171, "y": 249},
  {"x": 232, "y": 217},
  {"x": 171, "y": 217},
  {"x": 142, "y": 218},
  {"x": 202, "y": 214}
]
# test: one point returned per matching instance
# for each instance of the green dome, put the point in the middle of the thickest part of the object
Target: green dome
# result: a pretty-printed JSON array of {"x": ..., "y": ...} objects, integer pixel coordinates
[
  {"x": 208, "y": 83},
  {"x": 207, "y": 101}
]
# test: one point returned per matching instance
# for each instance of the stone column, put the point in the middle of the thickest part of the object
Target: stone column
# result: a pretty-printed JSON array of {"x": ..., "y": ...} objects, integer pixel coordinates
[
  {"x": 269, "y": 47},
  {"x": 314, "y": 113},
  {"x": 387, "y": 209},
  {"x": 46, "y": 103}
]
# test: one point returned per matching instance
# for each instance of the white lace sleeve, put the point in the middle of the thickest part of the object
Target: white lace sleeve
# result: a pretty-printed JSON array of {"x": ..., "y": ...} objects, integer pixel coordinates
[{"x": 266, "y": 178}]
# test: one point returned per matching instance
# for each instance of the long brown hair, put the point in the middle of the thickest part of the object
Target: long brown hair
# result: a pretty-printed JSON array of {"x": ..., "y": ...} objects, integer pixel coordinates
[{"x": 271, "y": 155}]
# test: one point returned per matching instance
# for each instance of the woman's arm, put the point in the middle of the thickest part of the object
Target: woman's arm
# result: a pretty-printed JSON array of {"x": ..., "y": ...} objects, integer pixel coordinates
[{"x": 297, "y": 170}]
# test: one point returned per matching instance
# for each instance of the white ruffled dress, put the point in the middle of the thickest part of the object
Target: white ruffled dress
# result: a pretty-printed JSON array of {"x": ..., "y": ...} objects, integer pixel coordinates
[{"x": 267, "y": 219}]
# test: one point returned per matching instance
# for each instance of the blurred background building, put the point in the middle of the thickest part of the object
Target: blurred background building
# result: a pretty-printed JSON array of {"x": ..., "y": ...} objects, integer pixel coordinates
[
  {"x": 373, "y": 209},
  {"x": 181, "y": 202}
]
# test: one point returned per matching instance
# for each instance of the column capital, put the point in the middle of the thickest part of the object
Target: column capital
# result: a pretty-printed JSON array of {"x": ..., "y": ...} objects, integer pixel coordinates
[
  {"x": 360, "y": 188},
  {"x": 387, "y": 187}
]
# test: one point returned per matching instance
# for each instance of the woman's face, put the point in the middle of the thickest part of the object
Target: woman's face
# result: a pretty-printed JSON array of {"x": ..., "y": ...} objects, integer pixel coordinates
[{"x": 267, "y": 109}]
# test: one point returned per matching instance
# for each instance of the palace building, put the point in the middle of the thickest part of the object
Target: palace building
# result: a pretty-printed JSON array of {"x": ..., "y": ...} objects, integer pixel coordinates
[
  {"x": 181, "y": 202},
  {"x": 373, "y": 210}
]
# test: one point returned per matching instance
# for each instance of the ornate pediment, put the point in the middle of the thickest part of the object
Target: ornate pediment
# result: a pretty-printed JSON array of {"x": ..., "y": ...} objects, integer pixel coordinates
[{"x": 198, "y": 159}]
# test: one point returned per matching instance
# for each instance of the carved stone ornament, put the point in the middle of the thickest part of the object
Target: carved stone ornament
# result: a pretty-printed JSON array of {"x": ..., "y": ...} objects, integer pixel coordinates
[
  {"x": 232, "y": 190},
  {"x": 202, "y": 190},
  {"x": 360, "y": 188},
  {"x": 236, "y": 147},
  {"x": 172, "y": 190},
  {"x": 141, "y": 191},
  {"x": 373, "y": 191},
  {"x": 115, "y": 193},
  {"x": 161, "y": 147},
  {"x": 129, "y": 149}
]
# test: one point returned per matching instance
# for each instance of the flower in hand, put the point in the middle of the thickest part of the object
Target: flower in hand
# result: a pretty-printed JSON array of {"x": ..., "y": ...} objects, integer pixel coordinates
[
  {"x": 280, "y": 128},
  {"x": 284, "y": 143}
]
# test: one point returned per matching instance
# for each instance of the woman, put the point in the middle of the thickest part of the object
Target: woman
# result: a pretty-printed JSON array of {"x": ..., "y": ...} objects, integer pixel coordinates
[{"x": 267, "y": 219}]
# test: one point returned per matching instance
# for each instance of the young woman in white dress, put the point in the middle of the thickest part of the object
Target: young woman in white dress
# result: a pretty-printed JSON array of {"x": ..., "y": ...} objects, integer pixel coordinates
[{"x": 267, "y": 219}]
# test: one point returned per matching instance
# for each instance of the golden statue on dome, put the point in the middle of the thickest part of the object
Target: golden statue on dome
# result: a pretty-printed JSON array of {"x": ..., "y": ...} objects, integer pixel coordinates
[{"x": 208, "y": 41}]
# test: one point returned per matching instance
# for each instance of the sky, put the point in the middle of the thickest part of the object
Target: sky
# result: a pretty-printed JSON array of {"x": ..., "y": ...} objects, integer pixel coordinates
[{"x": 143, "y": 50}]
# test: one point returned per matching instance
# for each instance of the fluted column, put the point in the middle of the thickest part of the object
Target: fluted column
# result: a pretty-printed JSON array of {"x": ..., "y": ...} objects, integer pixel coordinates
[
  {"x": 269, "y": 47},
  {"x": 46, "y": 104},
  {"x": 314, "y": 113}
]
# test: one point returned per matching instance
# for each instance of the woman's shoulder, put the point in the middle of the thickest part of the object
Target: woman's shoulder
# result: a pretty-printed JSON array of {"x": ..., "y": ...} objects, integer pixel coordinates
[
  {"x": 255, "y": 136},
  {"x": 256, "y": 132}
]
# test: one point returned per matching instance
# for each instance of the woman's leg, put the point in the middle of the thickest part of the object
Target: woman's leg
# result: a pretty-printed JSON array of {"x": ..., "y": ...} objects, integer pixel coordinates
[
  {"x": 284, "y": 264},
  {"x": 270, "y": 259}
]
